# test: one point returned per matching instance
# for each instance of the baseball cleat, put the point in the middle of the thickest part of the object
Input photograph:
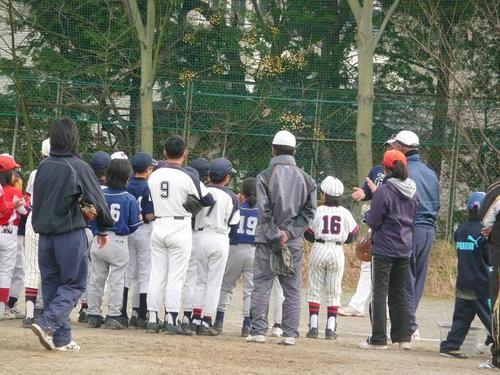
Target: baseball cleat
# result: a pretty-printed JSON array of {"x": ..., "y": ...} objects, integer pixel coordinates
[
  {"x": 82, "y": 316},
  {"x": 15, "y": 312},
  {"x": 71, "y": 347},
  {"x": 153, "y": 327},
  {"x": 133, "y": 321},
  {"x": 330, "y": 334},
  {"x": 276, "y": 331},
  {"x": 44, "y": 336},
  {"x": 95, "y": 321},
  {"x": 204, "y": 330},
  {"x": 367, "y": 346},
  {"x": 6, "y": 315},
  {"x": 312, "y": 334},
  {"x": 27, "y": 322},
  {"x": 218, "y": 325},
  {"x": 259, "y": 339},
  {"x": 245, "y": 331},
  {"x": 141, "y": 323},
  {"x": 171, "y": 329},
  {"x": 113, "y": 322},
  {"x": 286, "y": 341},
  {"x": 350, "y": 311},
  {"x": 187, "y": 329},
  {"x": 123, "y": 319}
]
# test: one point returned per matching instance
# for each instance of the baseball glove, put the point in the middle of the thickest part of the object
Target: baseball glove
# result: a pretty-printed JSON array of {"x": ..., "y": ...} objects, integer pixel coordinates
[
  {"x": 363, "y": 246},
  {"x": 281, "y": 260},
  {"x": 192, "y": 204},
  {"x": 89, "y": 212}
]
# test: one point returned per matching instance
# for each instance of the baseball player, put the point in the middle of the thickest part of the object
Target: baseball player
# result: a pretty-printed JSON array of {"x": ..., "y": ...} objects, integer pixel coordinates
[
  {"x": 212, "y": 245},
  {"x": 32, "y": 281},
  {"x": 172, "y": 187},
  {"x": 111, "y": 261},
  {"x": 333, "y": 226},
  {"x": 139, "y": 242},
  {"x": 9, "y": 221}
]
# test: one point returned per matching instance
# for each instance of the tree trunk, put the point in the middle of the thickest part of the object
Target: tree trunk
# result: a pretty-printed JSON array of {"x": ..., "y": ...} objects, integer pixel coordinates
[{"x": 147, "y": 98}]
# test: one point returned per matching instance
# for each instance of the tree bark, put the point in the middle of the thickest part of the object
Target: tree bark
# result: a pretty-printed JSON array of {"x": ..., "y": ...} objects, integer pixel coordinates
[{"x": 146, "y": 95}]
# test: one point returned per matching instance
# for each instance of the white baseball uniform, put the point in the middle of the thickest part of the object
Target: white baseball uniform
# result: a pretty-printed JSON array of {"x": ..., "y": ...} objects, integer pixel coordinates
[
  {"x": 212, "y": 247},
  {"x": 32, "y": 278},
  {"x": 171, "y": 238},
  {"x": 331, "y": 226}
]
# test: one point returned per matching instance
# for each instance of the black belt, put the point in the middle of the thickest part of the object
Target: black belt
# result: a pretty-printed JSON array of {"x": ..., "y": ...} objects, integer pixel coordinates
[
  {"x": 174, "y": 217},
  {"x": 320, "y": 240}
]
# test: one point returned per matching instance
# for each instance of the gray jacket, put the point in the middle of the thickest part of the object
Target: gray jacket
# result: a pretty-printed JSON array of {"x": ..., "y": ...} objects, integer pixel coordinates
[{"x": 286, "y": 199}]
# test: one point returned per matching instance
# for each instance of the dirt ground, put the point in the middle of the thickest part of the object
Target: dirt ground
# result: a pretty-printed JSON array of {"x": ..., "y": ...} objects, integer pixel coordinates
[{"x": 135, "y": 352}]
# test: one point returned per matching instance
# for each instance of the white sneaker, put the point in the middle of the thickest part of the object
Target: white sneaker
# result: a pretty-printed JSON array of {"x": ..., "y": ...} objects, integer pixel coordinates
[
  {"x": 7, "y": 315},
  {"x": 486, "y": 365},
  {"x": 415, "y": 335},
  {"x": 277, "y": 332},
  {"x": 260, "y": 339},
  {"x": 286, "y": 341},
  {"x": 350, "y": 311},
  {"x": 367, "y": 346},
  {"x": 15, "y": 312},
  {"x": 405, "y": 345},
  {"x": 45, "y": 337},
  {"x": 71, "y": 347}
]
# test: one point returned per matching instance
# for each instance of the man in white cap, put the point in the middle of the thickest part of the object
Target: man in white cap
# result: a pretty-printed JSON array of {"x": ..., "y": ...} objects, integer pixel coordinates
[
  {"x": 424, "y": 230},
  {"x": 286, "y": 202}
]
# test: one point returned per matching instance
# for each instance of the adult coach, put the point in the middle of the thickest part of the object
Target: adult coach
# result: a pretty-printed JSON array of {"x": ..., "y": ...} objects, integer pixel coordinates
[
  {"x": 424, "y": 230},
  {"x": 61, "y": 181},
  {"x": 286, "y": 202}
]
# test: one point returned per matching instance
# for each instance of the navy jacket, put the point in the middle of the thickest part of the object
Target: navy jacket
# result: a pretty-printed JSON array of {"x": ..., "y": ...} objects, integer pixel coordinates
[
  {"x": 390, "y": 218},
  {"x": 473, "y": 267},
  {"x": 427, "y": 188},
  {"x": 377, "y": 175}
]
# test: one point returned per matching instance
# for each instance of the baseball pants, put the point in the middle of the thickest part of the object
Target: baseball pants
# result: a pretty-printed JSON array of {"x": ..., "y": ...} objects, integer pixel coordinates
[
  {"x": 108, "y": 263},
  {"x": 212, "y": 250},
  {"x": 8, "y": 252},
  {"x": 90, "y": 240},
  {"x": 263, "y": 278},
  {"x": 189, "y": 290},
  {"x": 17, "y": 282},
  {"x": 326, "y": 269},
  {"x": 63, "y": 266},
  {"x": 239, "y": 262},
  {"x": 32, "y": 270},
  {"x": 139, "y": 266},
  {"x": 278, "y": 301},
  {"x": 423, "y": 238},
  {"x": 363, "y": 288},
  {"x": 171, "y": 242}
]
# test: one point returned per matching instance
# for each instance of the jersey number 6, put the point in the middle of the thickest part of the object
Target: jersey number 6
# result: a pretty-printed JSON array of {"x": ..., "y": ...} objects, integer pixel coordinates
[{"x": 331, "y": 225}]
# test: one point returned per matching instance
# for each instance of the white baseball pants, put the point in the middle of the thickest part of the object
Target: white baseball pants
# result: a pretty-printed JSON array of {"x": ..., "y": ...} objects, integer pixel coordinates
[
  {"x": 212, "y": 250},
  {"x": 139, "y": 266},
  {"x": 363, "y": 289},
  {"x": 17, "y": 282},
  {"x": 326, "y": 269},
  {"x": 189, "y": 291},
  {"x": 171, "y": 242},
  {"x": 8, "y": 251},
  {"x": 32, "y": 277},
  {"x": 239, "y": 262},
  {"x": 109, "y": 263}
]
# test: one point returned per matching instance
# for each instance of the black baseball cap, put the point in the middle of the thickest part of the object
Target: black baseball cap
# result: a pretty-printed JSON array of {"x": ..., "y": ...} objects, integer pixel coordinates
[
  {"x": 100, "y": 160},
  {"x": 221, "y": 167},
  {"x": 193, "y": 171},
  {"x": 201, "y": 165},
  {"x": 142, "y": 160}
]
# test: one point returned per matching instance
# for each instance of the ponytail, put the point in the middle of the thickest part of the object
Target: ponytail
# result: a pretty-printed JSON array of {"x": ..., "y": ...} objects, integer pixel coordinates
[
  {"x": 249, "y": 190},
  {"x": 399, "y": 171}
]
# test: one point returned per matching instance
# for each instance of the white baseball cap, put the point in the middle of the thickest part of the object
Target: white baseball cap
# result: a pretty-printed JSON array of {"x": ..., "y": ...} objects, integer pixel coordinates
[
  {"x": 332, "y": 186},
  {"x": 46, "y": 147},
  {"x": 284, "y": 138},
  {"x": 118, "y": 155},
  {"x": 406, "y": 138}
]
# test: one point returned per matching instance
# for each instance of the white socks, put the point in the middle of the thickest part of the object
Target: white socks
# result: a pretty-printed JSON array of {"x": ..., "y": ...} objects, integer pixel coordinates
[
  {"x": 331, "y": 323},
  {"x": 313, "y": 321}
]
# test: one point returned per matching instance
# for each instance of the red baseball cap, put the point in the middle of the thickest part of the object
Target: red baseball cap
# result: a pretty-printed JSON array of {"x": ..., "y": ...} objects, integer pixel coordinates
[
  {"x": 391, "y": 156},
  {"x": 7, "y": 163}
]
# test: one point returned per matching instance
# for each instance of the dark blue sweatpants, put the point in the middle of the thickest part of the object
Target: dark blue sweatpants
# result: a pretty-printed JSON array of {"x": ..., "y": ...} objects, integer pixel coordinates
[
  {"x": 423, "y": 238},
  {"x": 63, "y": 266}
]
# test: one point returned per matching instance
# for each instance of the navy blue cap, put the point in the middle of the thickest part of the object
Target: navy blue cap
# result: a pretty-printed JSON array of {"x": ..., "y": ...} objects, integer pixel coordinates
[
  {"x": 193, "y": 171},
  {"x": 142, "y": 160},
  {"x": 221, "y": 167},
  {"x": 475, "y": 200},
  {"x": 201, "y": 165},
  {"x": 100, "y": 160}
]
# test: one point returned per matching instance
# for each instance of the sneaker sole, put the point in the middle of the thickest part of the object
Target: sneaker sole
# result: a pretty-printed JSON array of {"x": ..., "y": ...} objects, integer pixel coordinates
[
  {"x": 37, "y": 330},
  {"x": 446, "y": 355}
]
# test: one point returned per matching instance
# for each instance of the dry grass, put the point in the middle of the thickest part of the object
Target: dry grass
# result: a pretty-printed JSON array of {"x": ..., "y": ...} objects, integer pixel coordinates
[{"x": 441, "y": 275}]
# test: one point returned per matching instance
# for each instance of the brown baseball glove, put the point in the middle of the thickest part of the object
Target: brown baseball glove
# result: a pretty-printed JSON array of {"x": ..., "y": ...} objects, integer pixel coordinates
[
  {"x": 363, "y": 248},
  {"x": 281, "y": 260},
  {"x": 89, "y": 212}
]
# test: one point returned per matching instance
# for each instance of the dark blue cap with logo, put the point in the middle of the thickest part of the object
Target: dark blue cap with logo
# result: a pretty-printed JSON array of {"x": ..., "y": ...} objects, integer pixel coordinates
[
  {"x": 201, "y": 165},
  {"x": 100, "y": 160},
  {"x": 142, "y": 160},
  {"x": 221, "y": 167},
  {"x": 475, "y": 200}
]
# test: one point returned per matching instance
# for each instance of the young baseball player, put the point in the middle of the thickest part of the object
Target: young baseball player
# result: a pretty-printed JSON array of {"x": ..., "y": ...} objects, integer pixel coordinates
[
  {"x": 111, "y": 261},
  {"x": 174, "y": 192},
  {"x": 472, "y": 286},
  {"x": 32, "y": 281},
  {"x": 139, "y": 242},
  {"x": 240, "y": 258},
  {"x": 9, "y": 221},
  {"x": 212, "y": 245},
  {"x": 333, "y": 226}
]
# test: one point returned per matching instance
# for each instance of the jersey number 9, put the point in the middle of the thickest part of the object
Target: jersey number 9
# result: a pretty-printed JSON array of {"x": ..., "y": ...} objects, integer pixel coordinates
[{"x": 164, "y": 189}]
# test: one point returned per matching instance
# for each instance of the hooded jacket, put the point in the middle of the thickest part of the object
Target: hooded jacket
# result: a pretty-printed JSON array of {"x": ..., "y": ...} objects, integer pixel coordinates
[{"x": 391, "y": 216}]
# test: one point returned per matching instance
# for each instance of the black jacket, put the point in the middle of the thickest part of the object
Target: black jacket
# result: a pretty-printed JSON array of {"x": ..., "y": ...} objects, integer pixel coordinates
[{"x": 60, "y": 180}]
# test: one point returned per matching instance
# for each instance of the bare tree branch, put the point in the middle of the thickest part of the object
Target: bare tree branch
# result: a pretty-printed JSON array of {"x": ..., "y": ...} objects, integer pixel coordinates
[{"x": 384, "y": 23}]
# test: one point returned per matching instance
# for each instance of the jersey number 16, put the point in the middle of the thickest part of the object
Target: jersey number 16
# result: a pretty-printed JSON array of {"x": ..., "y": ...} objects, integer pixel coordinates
[{"x": 331, "y": 225}]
